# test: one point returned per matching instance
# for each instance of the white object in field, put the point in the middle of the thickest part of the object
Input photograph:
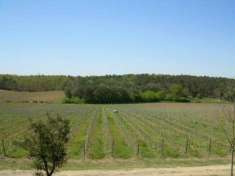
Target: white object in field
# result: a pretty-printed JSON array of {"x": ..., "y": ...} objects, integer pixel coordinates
[{"x": 115, "y": 111}]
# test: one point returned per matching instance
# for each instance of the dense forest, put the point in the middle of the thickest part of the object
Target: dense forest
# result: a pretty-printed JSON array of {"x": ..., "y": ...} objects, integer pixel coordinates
[
  {"x": 33, "y": 83},
  {"x": 125, "y": 88},
  {"x": 148, "y": 88}
]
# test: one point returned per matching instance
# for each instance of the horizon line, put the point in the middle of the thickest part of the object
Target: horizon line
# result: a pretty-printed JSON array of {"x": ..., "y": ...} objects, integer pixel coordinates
[{"x": 116, "y": 74}]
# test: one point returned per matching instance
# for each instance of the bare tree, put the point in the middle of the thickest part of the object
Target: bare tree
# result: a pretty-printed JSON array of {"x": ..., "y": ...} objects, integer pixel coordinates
[{"x": 228, "y": 126}]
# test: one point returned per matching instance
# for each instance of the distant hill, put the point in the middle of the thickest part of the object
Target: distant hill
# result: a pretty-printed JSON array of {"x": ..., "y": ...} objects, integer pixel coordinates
[{"x": 126, "y": 88}]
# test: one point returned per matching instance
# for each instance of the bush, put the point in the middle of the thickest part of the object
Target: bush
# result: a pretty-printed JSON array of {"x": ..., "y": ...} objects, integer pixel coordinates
[
  {"x": 160, "y": 95},
  {"x": 149, "y": 96},
  {"x": 182, "y": 100},
  {"x": 46, "y": 144},
  {"x": 73, "y": 100},
  {"x": 146, "y": 151}
]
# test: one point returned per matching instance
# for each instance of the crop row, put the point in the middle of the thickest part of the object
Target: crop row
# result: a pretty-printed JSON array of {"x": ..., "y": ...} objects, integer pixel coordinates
[{"x": 131, "y": 131}]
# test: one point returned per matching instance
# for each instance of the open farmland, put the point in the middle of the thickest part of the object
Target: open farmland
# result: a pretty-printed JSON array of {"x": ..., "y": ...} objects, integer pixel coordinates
[
  {"x": 31, "y": 97},
  {"x": 164, "y": 130}
]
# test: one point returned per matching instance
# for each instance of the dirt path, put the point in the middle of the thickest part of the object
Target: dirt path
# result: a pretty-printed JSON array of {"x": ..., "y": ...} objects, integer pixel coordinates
[{"x": 219, "y": 170}]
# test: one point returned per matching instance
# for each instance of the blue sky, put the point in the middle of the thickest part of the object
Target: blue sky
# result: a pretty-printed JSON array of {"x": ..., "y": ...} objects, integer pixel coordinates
[{"x": 97, "y": 37}]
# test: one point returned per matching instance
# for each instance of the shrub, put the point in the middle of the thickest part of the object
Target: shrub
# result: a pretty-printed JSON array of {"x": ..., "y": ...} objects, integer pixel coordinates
[
  {"x": 46, "y": 144},
  {"x": 73, "y": 100}
]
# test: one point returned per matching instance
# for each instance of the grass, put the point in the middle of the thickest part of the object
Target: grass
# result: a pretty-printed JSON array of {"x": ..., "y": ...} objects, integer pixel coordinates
[
  {"x": 113, "y": 164},
  {"x": 96, "y": 140},
  {"x": 120, "y": 147},
  {"x": 140, "y": 135}
]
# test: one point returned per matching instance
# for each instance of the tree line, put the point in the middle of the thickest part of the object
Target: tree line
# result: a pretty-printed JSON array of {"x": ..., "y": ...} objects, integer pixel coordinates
[
  {"x": 125, "y": 88},
  {"x": 33, "y": 83},
  {"x": 148, "y": 88}
]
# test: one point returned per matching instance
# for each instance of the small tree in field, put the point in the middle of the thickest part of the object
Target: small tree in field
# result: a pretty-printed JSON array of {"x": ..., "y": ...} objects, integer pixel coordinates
[
  {"x": 228, "y": 127},
  {"x": 46, "y": 144}
]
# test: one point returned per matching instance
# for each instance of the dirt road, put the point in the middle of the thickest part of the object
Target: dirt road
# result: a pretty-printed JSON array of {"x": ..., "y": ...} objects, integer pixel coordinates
[{"x": 219, "y": 170}]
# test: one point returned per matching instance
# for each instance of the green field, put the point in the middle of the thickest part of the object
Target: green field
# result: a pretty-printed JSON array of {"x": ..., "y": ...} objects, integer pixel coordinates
[{"x": 142, "y": 131}]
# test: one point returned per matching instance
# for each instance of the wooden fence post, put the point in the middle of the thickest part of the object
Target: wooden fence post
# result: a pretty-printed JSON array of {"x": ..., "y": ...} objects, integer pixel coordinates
[
  {"x": 210, "y": 146},
  {"x": 162, "y": 146},
  {"x": 187, "y": 145},
  {"x": 84, "y": 151},
  {"x": 3, "y": 148},
  {"x": 138, "y": 150},
  {"x": 113, "y": 145}
]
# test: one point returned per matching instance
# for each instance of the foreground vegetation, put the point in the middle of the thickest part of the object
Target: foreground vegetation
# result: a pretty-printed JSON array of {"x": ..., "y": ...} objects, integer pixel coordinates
[{"x": 46, "y": 144}]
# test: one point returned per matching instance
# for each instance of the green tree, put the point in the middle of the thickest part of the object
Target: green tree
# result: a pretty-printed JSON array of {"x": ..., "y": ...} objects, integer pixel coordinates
[
  {"x": 160, "y": 95},
  {"x": 46, "y": 144},
  {"x": 177, "y": 90},
  {"x": 149, "y": 96}
]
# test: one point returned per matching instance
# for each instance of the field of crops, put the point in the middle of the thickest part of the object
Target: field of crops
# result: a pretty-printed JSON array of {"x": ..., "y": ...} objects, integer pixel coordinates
[{"x": 123, "y": 131}]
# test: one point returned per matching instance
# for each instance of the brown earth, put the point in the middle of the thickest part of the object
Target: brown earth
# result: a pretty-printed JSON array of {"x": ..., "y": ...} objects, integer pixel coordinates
[{"x": 31, "y": 97}]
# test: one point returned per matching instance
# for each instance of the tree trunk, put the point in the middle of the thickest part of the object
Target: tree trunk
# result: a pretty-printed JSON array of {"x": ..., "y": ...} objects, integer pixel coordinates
[{"x": 232, "y": 160}]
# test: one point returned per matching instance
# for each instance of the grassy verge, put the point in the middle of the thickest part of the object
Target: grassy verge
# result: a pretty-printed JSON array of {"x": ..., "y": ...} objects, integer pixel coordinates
[{"x": 113, "y": 164}]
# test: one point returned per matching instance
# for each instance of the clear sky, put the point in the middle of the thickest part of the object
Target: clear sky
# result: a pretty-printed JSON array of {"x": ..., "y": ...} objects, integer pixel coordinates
[{"x": 97, "y": 37}]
